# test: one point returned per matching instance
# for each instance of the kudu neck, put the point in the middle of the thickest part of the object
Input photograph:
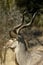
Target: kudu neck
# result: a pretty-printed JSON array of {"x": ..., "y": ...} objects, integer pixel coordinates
[{"x": 21, "y": 40}]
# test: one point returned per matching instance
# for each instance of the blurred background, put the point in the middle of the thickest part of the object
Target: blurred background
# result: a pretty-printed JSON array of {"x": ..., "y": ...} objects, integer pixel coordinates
[{"x": 11, "y": 12}]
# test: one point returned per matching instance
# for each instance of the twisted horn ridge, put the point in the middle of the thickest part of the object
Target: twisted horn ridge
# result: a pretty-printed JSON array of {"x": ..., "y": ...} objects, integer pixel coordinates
[
  {"x": 14, "y": 31},
  {"x": 17, "y": 29},
  {"x": 29, "y": 24},
  {"x": 18, "y": 26}
]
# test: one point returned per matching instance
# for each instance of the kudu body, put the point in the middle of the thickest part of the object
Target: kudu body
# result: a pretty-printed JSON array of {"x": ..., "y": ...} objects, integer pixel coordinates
[{"x": 23, "y": 56}]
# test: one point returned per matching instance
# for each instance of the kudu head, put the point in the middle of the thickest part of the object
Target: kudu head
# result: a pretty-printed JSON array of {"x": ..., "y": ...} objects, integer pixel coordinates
[{"x": 15, "y": 33}]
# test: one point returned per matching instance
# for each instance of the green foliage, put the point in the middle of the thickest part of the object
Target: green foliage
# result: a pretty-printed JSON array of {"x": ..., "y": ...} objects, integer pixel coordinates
[
  {"x": 38, "y": 20},
  {"x": 40, "y": 23},
  {"x": 6, "y": 4},
  {"x": 10, "y": 3}
]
